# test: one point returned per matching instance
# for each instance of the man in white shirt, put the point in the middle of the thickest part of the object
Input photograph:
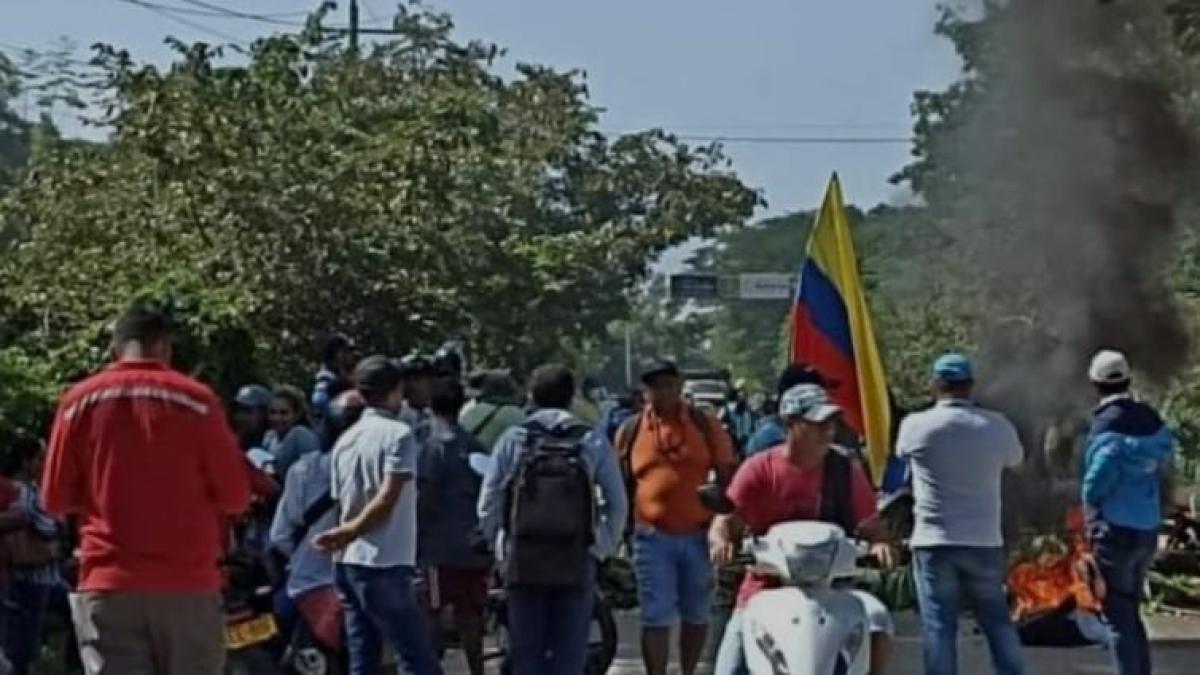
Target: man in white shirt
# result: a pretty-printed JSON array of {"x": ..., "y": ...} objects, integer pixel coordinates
[
  {"x": 958, "y": 452},
  {"x": 373, "y": 469}
]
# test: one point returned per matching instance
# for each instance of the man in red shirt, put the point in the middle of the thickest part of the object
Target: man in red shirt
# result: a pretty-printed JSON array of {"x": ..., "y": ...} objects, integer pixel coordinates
[
  {"x": 142, "y": 455},
  {"x": 807, "y": 478}
]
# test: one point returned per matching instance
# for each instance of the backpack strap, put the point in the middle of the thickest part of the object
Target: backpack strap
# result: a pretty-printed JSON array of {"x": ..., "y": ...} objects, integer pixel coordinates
[
  {"x": 312, "y": 514},
  {"x": 837, "y": 485},
  {"x": 487, "y": 419},
  {"x": 704, "y": 425},
  {"x": 626, "y": 436}
]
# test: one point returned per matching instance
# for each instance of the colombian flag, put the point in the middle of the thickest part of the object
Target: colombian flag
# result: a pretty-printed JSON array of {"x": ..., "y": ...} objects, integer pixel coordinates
[{"x": 831, "y": 329}]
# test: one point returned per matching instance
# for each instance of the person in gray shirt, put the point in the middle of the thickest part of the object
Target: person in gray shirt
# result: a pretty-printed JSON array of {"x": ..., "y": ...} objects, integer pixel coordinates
[
  {"x": 373, "y": 466},
  {"x": 958, "y": 452}
]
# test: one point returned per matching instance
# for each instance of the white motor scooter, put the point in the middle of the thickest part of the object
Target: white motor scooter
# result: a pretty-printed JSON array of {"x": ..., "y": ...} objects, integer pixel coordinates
[{"x": 806, "y": 626}]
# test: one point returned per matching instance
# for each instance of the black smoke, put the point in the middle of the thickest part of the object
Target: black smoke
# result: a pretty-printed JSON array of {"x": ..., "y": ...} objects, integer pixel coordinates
[{"x": 1069, "y": 171}]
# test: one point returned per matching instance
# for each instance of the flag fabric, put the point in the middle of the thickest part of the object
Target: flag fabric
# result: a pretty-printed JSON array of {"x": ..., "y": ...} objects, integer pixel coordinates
[{"x": 831, "y": 330}]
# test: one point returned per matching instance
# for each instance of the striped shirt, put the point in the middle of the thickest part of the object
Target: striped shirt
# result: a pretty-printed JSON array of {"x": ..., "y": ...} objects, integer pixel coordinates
[{"x": 30, "y": 501}]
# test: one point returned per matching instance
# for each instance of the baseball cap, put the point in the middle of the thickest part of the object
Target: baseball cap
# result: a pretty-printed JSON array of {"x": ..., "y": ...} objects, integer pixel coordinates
[
  {"x": 808, "y": 402},
  {"x": 659, "y": 368},
  {"x": 253, "y": 396},
  {"x": 953, "y": 369},
  {"x": 1109, "y": 367},
  {"x": 376, "y": 375},
  {"x": 415, "y": 365},
  {"x": 498, "y": 385},
  {"x": 800, "y": 373}
]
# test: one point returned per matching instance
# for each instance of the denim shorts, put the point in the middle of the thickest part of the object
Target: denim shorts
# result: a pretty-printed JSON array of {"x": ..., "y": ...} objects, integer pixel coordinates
[{"x": 674, "y": 575}]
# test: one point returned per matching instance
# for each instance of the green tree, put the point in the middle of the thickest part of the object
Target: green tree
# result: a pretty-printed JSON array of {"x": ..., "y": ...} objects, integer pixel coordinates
[
  {"x": 658, "y": 326},
  {"x": 14, "y": 131},
  {"x": 401, "y": 195},
  {"x": 749, "y": 336},
  {"x": 914, "y": 317}
]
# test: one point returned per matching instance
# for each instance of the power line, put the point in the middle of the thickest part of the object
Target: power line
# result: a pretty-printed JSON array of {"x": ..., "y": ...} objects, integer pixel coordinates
[
  {"x": 225, "y": 12},
  {"x": 790, "y": 140},
  {"x": 166, "y": 13},
  {"x": 221, "y": 12},
  {"x": 713, "y": 129}
]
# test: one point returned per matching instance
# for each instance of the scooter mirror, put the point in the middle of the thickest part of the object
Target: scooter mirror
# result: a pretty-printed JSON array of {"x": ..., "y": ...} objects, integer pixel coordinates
[{"x": 713, "y": 498}]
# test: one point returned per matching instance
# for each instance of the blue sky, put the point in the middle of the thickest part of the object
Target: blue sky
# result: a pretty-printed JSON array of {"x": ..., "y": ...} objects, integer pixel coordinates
[{"x": 706, "y": 68}]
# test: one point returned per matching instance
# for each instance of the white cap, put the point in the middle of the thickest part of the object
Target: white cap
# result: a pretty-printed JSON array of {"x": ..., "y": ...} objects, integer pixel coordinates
[{"x": 1109, "y": 367}]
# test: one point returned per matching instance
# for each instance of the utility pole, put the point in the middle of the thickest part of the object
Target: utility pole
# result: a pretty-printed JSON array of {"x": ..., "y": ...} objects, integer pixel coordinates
[
  {"x": 354, "y": 25},
  {"x": 628, "y": 355}
]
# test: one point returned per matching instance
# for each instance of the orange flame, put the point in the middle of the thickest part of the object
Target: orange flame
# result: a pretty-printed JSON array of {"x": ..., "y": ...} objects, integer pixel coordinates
[{"x": 1050, "y": 581}]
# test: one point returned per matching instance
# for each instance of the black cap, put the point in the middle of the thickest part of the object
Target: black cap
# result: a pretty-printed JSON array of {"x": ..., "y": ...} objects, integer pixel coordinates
[
  {"x": 334, "y": 344},
  {"x": 498, "y": 385},
  {"x": 658, "y": 368},
  {"x": 802, "y": 373},
  {"x": 376, "y": 376},
  {"x": 416, "y": 365}
]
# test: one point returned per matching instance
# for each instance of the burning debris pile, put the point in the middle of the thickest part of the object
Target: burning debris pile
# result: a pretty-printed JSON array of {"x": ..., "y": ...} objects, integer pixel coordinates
[{"x": 1057, "y": 589}]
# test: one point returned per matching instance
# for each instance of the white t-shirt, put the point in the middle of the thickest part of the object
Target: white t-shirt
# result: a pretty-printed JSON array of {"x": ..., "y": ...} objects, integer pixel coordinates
[
  {"x": 376, "y": 446},
  {"x": 958, "y": 453}
]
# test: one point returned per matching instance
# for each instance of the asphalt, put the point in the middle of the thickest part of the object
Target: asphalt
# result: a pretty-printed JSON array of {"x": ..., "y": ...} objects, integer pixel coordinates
[{"x": 1176, "y": 652}]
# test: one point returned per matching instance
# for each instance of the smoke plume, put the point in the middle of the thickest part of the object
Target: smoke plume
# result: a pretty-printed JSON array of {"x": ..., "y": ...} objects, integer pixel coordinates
[
  {"x": 1067, "y": 176},
  {"x": 1071, "y": 169}
]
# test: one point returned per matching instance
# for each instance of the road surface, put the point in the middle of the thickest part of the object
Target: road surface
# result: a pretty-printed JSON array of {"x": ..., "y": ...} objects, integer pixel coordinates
[{"x": 1180, "y": 656}]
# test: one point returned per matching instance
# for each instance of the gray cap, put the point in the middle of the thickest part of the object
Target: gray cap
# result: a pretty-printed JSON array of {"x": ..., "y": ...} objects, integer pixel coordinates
[
  {"x": 253, "y": 396},
  {"x": 808, "y": 402}
]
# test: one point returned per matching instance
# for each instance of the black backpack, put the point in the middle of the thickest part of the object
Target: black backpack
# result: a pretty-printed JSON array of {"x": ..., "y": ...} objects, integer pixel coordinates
[{"x": 551, "y": 510}]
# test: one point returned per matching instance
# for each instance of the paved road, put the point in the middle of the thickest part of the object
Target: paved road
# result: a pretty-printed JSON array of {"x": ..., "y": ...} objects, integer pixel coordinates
[{"x": 1178, "y": 658}]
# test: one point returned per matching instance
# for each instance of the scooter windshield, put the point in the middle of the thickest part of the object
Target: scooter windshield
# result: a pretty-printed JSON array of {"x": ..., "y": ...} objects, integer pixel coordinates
[{"x": 811, "y": 564}]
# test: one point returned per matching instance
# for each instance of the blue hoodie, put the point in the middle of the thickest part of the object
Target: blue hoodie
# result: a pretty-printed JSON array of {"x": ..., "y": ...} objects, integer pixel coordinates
[{"x": 1127, "y": 448}]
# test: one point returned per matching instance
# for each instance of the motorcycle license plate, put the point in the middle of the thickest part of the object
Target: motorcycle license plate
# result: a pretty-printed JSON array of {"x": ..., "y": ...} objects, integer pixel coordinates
[{"x": 252, "y": 632}]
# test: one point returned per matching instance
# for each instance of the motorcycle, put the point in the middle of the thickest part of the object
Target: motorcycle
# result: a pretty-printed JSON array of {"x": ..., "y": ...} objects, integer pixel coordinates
[
  {"x": 256, "y": 641},
  {"x": 251, "y": 629},
  {"x": 806, "y": 626}
]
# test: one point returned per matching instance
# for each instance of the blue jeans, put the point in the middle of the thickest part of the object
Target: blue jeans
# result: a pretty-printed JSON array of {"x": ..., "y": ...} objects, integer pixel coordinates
[
  {"x": 674, "y": 577},
  {"x": 1124, "y": 556},
  {"x": 548, "y": 628},
  {"x": 380, "y": 604},
  {"x": 23, "y": 625},
  {"x": 944, "y": 576}
]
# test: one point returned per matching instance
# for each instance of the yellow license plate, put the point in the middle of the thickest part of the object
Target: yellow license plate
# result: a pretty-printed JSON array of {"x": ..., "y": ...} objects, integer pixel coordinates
[{"x": 252, "y": 632}]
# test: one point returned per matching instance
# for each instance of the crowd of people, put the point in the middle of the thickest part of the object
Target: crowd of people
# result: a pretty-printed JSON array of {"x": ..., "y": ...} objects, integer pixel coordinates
[{"x": 390, "y": 473}]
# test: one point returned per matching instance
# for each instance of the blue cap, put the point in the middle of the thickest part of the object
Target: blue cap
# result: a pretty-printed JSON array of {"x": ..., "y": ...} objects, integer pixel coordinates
[{"x": 953, "y": 369}]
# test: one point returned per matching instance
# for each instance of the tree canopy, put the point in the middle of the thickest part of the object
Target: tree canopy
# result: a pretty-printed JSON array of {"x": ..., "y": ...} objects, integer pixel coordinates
[{"x": 404, "y": 194}]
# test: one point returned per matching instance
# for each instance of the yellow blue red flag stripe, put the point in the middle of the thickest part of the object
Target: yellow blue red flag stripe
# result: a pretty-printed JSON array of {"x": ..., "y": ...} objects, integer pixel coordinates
[{"x": 831, "y": 329}]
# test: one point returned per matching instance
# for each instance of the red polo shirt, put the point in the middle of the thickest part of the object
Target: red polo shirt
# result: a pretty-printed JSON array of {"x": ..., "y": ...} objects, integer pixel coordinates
[
  {"x": 768, "y": 489},
  {"x": 144, "y": 457}
]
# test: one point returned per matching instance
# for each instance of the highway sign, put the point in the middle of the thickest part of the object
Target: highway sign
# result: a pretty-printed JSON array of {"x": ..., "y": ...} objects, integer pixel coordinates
[
  {"x": 695, "y": 286},
  {"x": 766, "y": 286}
]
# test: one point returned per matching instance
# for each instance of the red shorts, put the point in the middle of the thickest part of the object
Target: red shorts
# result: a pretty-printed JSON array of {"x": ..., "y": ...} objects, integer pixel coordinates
[{"x": 463, "y": 588}]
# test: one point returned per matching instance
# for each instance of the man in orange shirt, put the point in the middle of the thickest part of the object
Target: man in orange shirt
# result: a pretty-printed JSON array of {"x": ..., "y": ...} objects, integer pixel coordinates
[{"x": 667, "y": 452}]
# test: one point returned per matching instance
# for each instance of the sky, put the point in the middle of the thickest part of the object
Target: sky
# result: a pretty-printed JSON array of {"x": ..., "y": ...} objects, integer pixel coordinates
[{"x": 782, "y": 72}]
